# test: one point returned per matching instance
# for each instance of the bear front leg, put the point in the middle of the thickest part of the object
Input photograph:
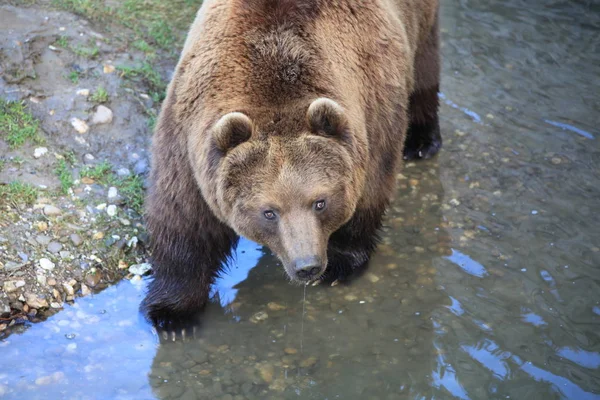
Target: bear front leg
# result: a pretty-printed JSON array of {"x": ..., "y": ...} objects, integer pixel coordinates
[
  {"x": 188, "y": 243},
  {"x": 351, "y": 246},
  {"x": 423, "y": 138}
]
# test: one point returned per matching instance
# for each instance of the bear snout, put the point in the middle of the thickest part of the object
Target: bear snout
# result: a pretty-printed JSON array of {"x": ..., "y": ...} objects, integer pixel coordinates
[{"x": 307, "y": 268}]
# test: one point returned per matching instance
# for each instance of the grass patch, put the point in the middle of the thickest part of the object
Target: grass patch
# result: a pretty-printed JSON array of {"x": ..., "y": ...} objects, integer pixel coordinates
[
  {"x": 17, "y": 125},
  {"x": 132, "y": 189},
  {"x": 142, "y": 45},
  {"x": 63, "y": 42},
  {"x": 146, "y": 18},
  {"x": 88, "y": 52},
  {"x": 100, "y": 172},
  {"x": 2, "y": 164},
  {"x": 18, "y": 193},
  {"x": 149, "y": 76},
  {"x": 100, "y": 95},
  {"x": 65, "y": 176},
  {"x": 74, "y": 76}
]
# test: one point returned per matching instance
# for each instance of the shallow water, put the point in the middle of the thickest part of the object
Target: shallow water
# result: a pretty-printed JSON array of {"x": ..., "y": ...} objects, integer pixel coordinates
[{"x": 487, "y": 284}]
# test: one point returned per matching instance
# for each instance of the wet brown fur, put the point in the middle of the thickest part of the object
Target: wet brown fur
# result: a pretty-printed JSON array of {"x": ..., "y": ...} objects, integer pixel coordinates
[{"x": 270, "y": 59}]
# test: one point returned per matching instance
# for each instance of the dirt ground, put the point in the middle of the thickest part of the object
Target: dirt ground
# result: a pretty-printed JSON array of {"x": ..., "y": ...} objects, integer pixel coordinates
[{"x": 81, "y": 83}]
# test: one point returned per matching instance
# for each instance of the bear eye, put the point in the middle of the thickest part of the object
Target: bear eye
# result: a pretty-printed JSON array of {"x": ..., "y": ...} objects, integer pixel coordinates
[
  {"x": 269, "y": 214},
  {"x": 320, "y": 205}
]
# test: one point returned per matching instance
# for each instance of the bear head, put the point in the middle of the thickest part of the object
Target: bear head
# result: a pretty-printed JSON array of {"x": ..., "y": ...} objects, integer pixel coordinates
[{"x": 286, "y": 182}]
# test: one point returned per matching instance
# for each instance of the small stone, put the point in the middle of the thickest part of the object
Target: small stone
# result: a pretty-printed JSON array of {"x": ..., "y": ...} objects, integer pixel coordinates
[
  {"x": 51, "y": 281},
  {"x": 350, "y": 297},
  {"x": 76, "y": 239},
  {"x": 54, "y": 247},
  {"x": 290, "y": 350},
  {"x": 89, "y": 157},
  {"x": 65, "y": 254},
  {"x": 140, "y": 167},
  {"x": 35, "y": 302},
  {"x": 43, "y": 240},
  {"x": 40, "y": 151},
  {"x": 80, "y": 125},
  {"x": 103, "y": 115},
  {"x": 266, "y": 372},
  {"x": 140, "y": 269},
  {"x": 12, "y": 286},
  {"x": 534, "y": 212},
  {"x": 125, "y": 222},
  {"x": 85, "y": 290},
  {"x": 55, "y": 305},
  {"x": 83, "y": 92},
  {"x": 68, "y": 289},
  {"x": 489, "y": 116},
  {"x": 41, "y": 279},
  {"x": 309, "y": 362},
  {"x": 46, "y": 264},
  {"x": 123, "y": 172},
  {"x": 454, "y": 202},
  {"x": 52, "y": 211},
  {"x": 87, "y": 181},
  {"x": 101, "y": 206},
  {"x": 556, "y": 160},
  {"x": 259, "y": 317},
  {"x": 42, "y": 226},
  {"x": 112, "y": 192},
  {"x": 459, "y": 132},
  {"x": 275, "y": 306},
  {"x": 372, "y": 278},
  {"x": 98, "y": 235},
  {"x": 109, "y": 68},
  {"x": 111, "y": 210}
]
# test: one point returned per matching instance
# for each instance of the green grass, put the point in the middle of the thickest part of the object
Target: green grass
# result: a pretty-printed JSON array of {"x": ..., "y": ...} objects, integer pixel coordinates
[
  {"x": 142, "y": 45},
  {"x": 2, "y": 164},
  {"x": 159, "y": 23},
  {"x": 148, "y": 75},
  {"x": 100, "y": 95},
  {"x": 65, "y": 176},
  {"x": 97, "y": 172},
  {"x": 74, "y": 76},
  {"x": 88, "y": 52},
  {"x": 18, "y": 193},
  {"x": 63, "y": 42},
  {"x": 17, "y": 125},
  {"x": 130, "y": 187}
]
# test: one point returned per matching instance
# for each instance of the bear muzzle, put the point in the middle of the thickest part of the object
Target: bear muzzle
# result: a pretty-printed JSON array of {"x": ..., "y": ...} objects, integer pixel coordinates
[{"x": 308, "y": 268}]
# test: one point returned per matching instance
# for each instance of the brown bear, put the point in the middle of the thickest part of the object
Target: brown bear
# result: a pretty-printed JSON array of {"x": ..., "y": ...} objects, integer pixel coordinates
[{"x": 285, "y": 123}]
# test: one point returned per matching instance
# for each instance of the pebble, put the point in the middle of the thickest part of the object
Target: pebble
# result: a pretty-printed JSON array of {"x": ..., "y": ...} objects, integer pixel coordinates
[
  {"x": 259, "y": 317},
  {"x": 41, "y": 279},
  {"x": 89, "y": 157},
  {"x": 69, "y": 289},
  {"x": 266, "y": 372},
  {"x": 123, "y": 172},
  {"x": 454, "y": 202},
  {"x": 275, "y": 306},
  {"x": 35, "y": 302},
  {"x": 141, "y": 167},
  {"x": 556, "y": 160},
  {"x": 109, "y": 68},
  {"x": 83, "y": 92},
  {"x": 309, "y": 362},
  {"x": 98, "y": 235},
  {"x": 40, "y": 151},
  {"x": 103, "y": 115},
  {"x": 290, "y": 350},
  {"x": 55, "y": 305},
  {"x": 372, "y": 278},
  {"x": 122, "y": 264},
  {"x": 46, "y": 264},
  {"x": 12, "y": 286},
  {"x": 85, "y": 290},
  {"x": 111, "y": 210},
  {"x": 42, "y": 226},
  {"x": 54, "y": 247},
  {"x": 534, "y": 212},
  {"x": 51, "y": 211},
  {"x": 140, "y": 269},
  {"x": 350, "y": 297},
  {"x": 112, "y": 192},
  {"x": 43, "y": 240},
  {"x": 80, "y": 125},
  {"x": 76, "y": 239}
]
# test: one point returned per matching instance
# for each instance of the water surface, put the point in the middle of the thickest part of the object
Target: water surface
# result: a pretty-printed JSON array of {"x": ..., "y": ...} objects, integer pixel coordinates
[{"x": 487, "y": 284}]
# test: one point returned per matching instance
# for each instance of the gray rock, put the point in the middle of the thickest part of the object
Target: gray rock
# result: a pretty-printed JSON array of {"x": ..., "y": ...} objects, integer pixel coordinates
[
  {"x": 76, "y": 239},
  {"x": 140, "y": 269},
  {"x": 4, "y": 306},
  {"x": 12, "y": 286},
  {"x": 35, "y": 302},
  {"x": 46, "y": 264},
  {"x": 123, "y": 172},
  {"x": 54, "y": 247},
  {"x": 43, "y": 240},
  {"x": 52, "y": 210},
  {"x": 199, "y": 356},
  {"x": 12, "y": 266},
  {"x": 112, "y": 192},
  {"x": 103, "y": 115},
  {"x": 141, "y": 167}
]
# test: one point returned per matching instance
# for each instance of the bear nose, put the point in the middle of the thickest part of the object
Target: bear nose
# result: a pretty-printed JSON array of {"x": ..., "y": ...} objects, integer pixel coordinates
[{"x": 307, "y": 268}]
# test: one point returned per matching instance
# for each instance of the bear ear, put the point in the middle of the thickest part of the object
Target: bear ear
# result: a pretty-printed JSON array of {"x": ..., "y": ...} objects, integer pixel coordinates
[
  {"x": 232, "y": 130},
  {"x": 326, "y": 117}
]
